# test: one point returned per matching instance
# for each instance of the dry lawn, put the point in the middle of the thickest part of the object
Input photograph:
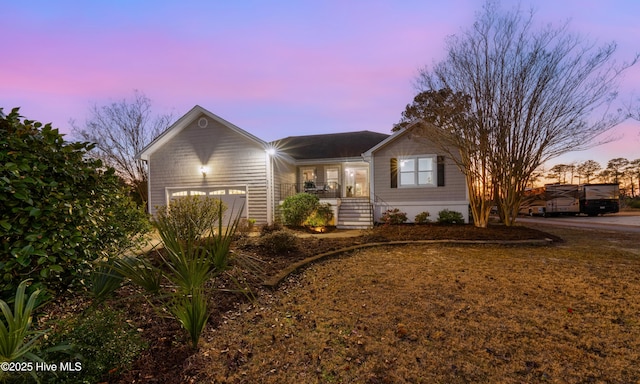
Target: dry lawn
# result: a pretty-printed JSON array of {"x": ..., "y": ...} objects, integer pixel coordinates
[{"x": 567, "y": 313}]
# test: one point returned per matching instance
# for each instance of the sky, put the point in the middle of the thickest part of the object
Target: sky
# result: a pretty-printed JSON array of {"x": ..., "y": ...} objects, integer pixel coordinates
[{"x": 273, "y": 68}]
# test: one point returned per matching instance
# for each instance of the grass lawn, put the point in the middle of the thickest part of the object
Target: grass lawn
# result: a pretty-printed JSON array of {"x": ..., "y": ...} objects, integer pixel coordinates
[{"x": 567, "y": 313}]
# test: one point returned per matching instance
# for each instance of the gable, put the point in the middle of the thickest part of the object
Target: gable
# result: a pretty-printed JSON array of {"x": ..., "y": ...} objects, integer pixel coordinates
[{"x": 203, "y": 119}]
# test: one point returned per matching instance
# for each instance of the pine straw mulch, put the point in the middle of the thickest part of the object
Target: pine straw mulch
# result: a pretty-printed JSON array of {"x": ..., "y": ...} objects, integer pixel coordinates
[{"x": 418, "y": 313}]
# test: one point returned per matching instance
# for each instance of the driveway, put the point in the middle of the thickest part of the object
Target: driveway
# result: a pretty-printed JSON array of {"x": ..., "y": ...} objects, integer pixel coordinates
[{"x": 622, "y": 221}]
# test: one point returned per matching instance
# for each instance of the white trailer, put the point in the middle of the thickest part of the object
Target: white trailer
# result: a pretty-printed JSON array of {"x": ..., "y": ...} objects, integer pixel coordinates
[{"x": 562, "y": 199}]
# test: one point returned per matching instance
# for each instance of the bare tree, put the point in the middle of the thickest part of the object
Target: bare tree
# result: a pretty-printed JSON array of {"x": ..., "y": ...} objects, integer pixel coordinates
[
  {"x": 432, "y": 111},
  {"x": 120, "y": 130},
  {"x": 534, "y": 93},
  {"x": 536, "y": 176},
  {"x": 588, "y": 169}
]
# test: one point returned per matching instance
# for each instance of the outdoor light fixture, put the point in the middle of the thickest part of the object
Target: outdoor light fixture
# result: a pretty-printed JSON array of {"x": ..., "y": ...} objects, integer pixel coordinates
[
  {"x": 204, "y": 170},
  {"x": 271, "y": 151}
]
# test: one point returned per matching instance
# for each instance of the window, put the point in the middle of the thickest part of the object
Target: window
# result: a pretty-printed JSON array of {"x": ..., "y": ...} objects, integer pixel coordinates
[
  {"x": 308, "y": 174},
  {"x": 332, "y": 178},
  {"x": 417, "y": 171}
]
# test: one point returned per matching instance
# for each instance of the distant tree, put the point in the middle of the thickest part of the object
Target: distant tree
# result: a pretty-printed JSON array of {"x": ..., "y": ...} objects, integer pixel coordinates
[
  {"x": 606, "y": 176},
  {"x": 634, "y": 171},
  {"x": 529, "y": 94},
  {"x": 559, "y": 173},
  {"x": 120, "y": 130},
  {"x": 616, "y": 167},
  {"x": 588, "y": 170}
]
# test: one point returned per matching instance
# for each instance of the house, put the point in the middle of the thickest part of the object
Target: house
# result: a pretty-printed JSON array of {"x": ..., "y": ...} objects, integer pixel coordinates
[{"x": 361, "y": 174}]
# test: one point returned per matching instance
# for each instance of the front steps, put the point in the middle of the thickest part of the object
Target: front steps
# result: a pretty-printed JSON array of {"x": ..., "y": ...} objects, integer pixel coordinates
[{"x": 355, "y": 213}]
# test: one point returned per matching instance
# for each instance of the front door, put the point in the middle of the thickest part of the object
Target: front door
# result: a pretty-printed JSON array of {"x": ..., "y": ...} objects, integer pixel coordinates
[{"x": 357, "y": 182}]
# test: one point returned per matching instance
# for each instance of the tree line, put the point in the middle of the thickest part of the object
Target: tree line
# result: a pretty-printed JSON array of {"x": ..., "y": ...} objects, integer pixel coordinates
[{"x": 619, "y": 170}]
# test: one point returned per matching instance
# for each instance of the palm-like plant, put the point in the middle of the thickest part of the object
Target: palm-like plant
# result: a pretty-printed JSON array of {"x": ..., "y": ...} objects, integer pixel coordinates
[
  {"x": 15, "y": 329},
  {"x": 192, "y": 312}
]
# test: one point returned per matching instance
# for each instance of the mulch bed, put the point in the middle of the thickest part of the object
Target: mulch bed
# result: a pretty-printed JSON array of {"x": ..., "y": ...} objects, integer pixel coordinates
[{"x": 167, "y": 360}]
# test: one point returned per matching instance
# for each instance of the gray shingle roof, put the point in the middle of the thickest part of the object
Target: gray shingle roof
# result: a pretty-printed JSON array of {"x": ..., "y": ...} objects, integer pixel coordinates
[{"x": 329, "y": 146}]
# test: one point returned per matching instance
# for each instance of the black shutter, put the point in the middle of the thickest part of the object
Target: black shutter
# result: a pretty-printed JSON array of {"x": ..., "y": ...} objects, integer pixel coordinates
[
  {"x": 440, "y": 171},
  {"x": 394, "y": 173}
]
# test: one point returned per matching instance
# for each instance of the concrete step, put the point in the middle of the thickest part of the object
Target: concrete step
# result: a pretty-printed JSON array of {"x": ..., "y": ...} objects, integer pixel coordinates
[
  {"x": 353, "y": 226},
  {"x": 355, "y": 213}
]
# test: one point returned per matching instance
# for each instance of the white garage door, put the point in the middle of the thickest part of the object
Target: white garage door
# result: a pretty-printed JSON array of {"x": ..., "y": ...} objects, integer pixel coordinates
[{"x": 233, "y": 197}]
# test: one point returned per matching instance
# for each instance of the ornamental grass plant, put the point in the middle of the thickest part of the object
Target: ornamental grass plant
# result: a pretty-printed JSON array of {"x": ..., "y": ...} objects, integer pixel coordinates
[{"x": 16, "y": 339}]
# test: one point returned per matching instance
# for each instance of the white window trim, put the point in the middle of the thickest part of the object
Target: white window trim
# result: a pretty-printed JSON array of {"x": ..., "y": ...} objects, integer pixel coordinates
[
  {"x": 211, "y": 188},
  {"x": 434, "y": 171}
]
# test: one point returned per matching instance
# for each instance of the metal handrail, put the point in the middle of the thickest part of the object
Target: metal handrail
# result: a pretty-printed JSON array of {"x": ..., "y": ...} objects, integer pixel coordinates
[{"x": 322, "y": 190}]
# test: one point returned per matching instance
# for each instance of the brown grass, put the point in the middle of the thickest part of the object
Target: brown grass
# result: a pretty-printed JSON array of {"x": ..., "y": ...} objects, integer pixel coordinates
[{"x": 440, "y": 313}]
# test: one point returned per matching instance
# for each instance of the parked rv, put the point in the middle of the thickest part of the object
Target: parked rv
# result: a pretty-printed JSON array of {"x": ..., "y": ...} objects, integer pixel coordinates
[
  {"x": 571, "y": 199},
  {"x": 562, "y": 199},
  {"x": 598, "y": 199}
]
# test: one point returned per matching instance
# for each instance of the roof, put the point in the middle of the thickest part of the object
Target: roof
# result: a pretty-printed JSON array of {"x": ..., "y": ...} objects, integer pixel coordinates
[
  {"x": 385, "y": 142},
  {"x": 329, "y": 146}
]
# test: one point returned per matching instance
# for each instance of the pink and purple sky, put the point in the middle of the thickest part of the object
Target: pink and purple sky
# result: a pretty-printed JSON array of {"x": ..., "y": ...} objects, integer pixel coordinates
[{"x": 275, "y": 68}]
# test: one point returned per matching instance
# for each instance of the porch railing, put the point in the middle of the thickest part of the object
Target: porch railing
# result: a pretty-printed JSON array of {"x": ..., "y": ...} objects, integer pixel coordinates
[{"x": 329, "y": 190}]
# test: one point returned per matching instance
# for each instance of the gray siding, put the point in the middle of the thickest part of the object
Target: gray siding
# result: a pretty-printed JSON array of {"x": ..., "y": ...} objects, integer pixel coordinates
[
  {"x": 232, "y": 159},
  {"x": 283, "y": 173},
  {"x": 453, "y": 190}
]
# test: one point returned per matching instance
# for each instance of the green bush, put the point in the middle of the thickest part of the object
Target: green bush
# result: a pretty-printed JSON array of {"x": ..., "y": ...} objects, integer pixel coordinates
[
  {"x": 321, "y": 217},
  {"x": 101, "y": 341},
  {"x": 59, "y": 209},
  {"x": 394, "y": 217},
  {"x": 635, "y": 204},
  {"x": 422, "y": 218},
  {"x": 450, "y": 217},
  {"x": 279, "y": 242},
  {"x": 191, "y": 217},
  {"x": 296, "y": 209}
]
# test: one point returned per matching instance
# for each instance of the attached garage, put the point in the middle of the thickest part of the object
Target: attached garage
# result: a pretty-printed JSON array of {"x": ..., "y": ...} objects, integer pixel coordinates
[{"x": 234, "y": 198}]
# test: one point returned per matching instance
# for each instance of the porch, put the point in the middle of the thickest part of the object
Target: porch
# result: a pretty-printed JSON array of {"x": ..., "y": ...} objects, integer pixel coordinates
[
  {"x": 330, "y": 190},
  {"x": 349, "y": 212}
]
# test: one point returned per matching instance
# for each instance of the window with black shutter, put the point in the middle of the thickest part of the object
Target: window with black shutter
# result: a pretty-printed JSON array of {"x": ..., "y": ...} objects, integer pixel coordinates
[
  {"x": 440, "y": 171},
  {"x": 394, "y": 173}
]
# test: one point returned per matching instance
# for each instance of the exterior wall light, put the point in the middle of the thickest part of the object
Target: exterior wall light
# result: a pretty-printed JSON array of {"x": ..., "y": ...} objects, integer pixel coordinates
[
  {"x": 271, "y": 151},
  {"x": 204, "y": 169}
]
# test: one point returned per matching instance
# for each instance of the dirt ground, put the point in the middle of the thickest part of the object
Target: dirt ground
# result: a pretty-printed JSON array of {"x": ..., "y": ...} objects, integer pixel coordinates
[{"x": 565, "y": 312}]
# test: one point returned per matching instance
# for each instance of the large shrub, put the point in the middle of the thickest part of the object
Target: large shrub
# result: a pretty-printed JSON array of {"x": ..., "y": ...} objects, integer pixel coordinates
[
  {"x": 59, "y": 209},
  {"x": 191, "y": 217},
  {"x": 296, "y": 209}
]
